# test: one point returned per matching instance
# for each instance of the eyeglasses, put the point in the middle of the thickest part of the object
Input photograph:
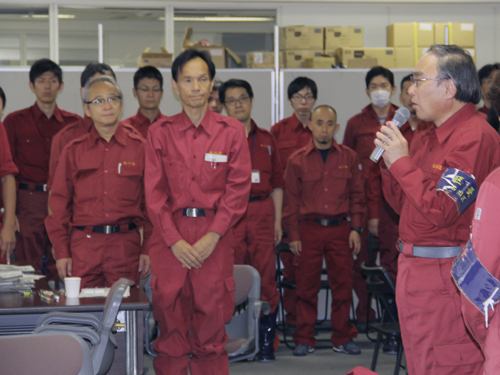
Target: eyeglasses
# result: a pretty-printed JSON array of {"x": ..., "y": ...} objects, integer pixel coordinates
[
  {"x": 232, "y": 102},
  {"x": 298, "y": 97},
  {"x": 99, "y": 102},
  {"x": 415, "y": 81},
  {"x": 145, "y": 90}
]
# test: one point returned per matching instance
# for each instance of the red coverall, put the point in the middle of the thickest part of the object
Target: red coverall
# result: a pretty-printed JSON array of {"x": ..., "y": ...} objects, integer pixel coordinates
[
  {"x": 319, "y": 190},
  {"x": 486, "y": 242},
  {"x": 7, "y": 167},
  {"x": 290, "y": 135},
  {"x": 30, "y": 135},
  {"x": 191, "y": 306},
  {"x": 142, "y": 123},
  {"x": 359, "y": 135},
  {"x": 61, "y": 139},
  {"x": 254, "y": 233},
  {"x": 99, "y": 183},
  {"x": 434, "y": 334}
]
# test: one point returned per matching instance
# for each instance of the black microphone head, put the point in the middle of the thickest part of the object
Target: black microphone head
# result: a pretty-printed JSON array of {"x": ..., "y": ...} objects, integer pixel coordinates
[{"x": 401, "y": 116}]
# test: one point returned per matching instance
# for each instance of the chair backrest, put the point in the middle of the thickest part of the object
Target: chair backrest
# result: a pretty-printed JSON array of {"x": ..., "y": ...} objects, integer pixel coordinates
[
  {"x": 62, "y": 353},
  {"x": 381, "y": 286}
]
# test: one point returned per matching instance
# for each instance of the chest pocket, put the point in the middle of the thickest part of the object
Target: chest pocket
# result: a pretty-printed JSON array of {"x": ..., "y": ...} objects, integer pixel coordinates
[
  {"x": 341, "y": 179},
  {"x": 85, "y": 179},
  {"x": 213, "y": 176},
  {"x": 130, "y": 182},
  {"x": 176, "y": 175}
]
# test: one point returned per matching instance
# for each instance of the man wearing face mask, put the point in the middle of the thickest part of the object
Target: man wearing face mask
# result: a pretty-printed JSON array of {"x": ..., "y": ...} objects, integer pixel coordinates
[{"x": 359, "y": 136}]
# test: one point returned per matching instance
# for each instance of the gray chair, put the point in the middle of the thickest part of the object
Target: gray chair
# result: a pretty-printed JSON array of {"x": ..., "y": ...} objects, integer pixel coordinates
[
  {"x": 243, "y": 330},
  {"x": 98, "y": 332},
  {"x": 63, "y": 353}
]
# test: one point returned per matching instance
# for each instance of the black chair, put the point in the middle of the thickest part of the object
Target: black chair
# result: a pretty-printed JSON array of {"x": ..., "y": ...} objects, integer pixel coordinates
[{"x": 382, "y": 288}]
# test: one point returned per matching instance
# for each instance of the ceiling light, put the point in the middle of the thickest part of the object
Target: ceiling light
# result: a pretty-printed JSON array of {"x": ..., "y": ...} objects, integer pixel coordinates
[{"x": 221, "y": 19}]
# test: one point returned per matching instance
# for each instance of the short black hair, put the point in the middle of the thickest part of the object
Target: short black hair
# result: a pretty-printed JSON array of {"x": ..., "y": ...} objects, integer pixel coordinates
[
  {"x": 232, "y": 83},
  {"x": 300, "y": 83},
  {"x": 188, "y": 55},
  {"x": 2, "y": 96},
  {"x": 94, "y": 68},
  {"x": 148, "y": 72},
  {"x": 405, "y": 79},
  {"x": 42, "y": 66},
  {"x": 486, "y": 70},
  {"x": 379, "y": 71}
]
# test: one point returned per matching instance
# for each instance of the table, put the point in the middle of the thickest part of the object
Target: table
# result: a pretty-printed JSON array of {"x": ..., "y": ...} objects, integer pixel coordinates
[{"x": 19, "y": 314}]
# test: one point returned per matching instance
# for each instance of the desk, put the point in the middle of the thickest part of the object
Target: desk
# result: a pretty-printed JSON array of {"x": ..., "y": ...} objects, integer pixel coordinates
[{"x": 19, "y": 314}]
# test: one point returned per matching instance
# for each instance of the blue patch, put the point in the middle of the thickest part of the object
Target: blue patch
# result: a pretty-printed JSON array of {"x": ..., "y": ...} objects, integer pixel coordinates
[
  {"x": 460, "y": 187},
  {"x": 480, "y": 287}
]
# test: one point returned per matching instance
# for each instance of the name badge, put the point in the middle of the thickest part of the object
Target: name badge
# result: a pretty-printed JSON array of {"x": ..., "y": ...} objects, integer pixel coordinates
[
  {"x": 255, "y": 177},
  {"x": 216, "y": 158}
]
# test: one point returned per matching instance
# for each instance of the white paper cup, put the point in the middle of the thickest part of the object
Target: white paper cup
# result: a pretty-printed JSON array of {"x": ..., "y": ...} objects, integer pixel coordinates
[{"x": 72, "y": 286}]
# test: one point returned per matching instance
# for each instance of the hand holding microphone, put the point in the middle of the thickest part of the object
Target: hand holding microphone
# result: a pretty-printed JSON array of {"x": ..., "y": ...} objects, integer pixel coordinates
[{"x": 399, "y": 119}]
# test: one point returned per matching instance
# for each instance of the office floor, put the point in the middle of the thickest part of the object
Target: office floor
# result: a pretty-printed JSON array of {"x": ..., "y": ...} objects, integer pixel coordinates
[{"x": 322, "y": 361}]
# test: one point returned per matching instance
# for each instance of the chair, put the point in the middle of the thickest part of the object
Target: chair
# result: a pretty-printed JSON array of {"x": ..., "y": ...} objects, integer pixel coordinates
[
  {"x": 381, "y": 286},
  {"x": 97, "y": 332},
  {"x": 63, "y": 353},
  {"x": 243, "y": 330}
]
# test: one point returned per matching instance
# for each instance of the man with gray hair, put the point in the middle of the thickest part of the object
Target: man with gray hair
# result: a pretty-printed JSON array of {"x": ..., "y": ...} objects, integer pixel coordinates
[
  {"x": 434, "y": 192},
  {"x": 97, "y": 198}
]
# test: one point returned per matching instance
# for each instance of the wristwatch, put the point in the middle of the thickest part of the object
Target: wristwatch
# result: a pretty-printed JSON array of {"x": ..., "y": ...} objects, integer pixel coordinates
[{"x": 357, "y": 229}]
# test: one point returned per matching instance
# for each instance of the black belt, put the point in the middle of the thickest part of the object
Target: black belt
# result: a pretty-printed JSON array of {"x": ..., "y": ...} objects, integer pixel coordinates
[
  {"x": 35, "y": 187},
  {"x": 255, "y": 198},
  {"x": 433, "y": 252},
  {"x": 108, "y": 229},
  {"x": 328, "y": 223},
  {"x": 193, "y": 212}
]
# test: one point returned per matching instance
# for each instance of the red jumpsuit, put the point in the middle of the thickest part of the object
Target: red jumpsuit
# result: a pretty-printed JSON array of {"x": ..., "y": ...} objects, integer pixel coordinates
[
  {"x": 142, "y": 123},
  {"x": 359, "y": 135},
  {"x": 254, "y": 233},
  {"x": 434, "y": 334},
  {"x": 486, "y": 242},
  {"x": 318, "y": 190},
  {"x": 290, "y": 135},
  {"x": 7, "y": 167},
  {"x": 61, "y": 139},
  {"x": 99, "y": 183},
  {"x": 30, "y": 135},
  {"x": 205, "y": 167}
]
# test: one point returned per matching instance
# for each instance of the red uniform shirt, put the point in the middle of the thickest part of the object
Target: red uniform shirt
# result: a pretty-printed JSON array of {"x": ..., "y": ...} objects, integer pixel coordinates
[
  {"x": 360, "y": 133},
  {"x": 318, "y": 189},
  {"x": 179, "y": 176},
  {"x": 7, "y": 166},
  {"x": 98, "y": 183},
  {"x": 266, "y": 160},
  {"x": 142, "y": 123},
  {"x": 61, "y": 139},
  {"x": 465, "y": 141},
  {"x": 484, "y": 110},
  {"x": 30, "y": 135},
  {"x": 290, "y": 135}
]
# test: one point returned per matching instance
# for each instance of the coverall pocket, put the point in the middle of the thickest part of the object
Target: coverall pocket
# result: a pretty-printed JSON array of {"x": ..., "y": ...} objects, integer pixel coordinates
[
  {"x": 456, "y": 354},
  {"x": 131, "y": 182},
  {"x": 229, "y": 305},
  {"x": 213, "y": 176}
]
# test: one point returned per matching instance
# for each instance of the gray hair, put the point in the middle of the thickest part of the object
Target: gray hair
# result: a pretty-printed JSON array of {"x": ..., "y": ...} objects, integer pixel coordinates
[
  {"x": 456, "y": 64},
  {"x": 92, "y": 82}
]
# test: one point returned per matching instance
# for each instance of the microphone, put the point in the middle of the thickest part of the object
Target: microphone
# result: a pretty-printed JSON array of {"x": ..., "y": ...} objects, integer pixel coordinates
[{"x": 399, "y": 119}]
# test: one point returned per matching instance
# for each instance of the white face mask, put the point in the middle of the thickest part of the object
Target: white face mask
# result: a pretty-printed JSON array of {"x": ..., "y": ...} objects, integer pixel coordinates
[{"x": 380, "y": 98}]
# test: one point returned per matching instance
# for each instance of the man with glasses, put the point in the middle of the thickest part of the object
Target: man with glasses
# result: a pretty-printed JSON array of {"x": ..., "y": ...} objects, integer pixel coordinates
[
  {"x": 259, "y": 230},
  {"x": 434, "y": 192},
  {"x": 97, "y": 197},
  {"x": 30, "y": 132},
  {"x": 148, "y": 90},
  {"x": 359, "y": 135},
  {"x": 486, "y": 76},
  {"x": 292, "y": 133}
]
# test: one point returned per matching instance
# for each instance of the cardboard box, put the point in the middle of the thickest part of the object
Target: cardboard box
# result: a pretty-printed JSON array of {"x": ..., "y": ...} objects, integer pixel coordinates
[
  {"x": 320, "y": 62},
  {"x": 414, "y": 34},
  {"x": 353, "y": 57},
  {"x": 343, "y": 36},
  {"x": 157, "y": 59},
  {"x": 301, "y": 38},
  {"x": 296, "y": 59},
  {"x": 460, "y": 33},
  {"x": 218, "y": 53},
  {"x": 263, "y": 60},
  {"x": 405, "y": 57}
]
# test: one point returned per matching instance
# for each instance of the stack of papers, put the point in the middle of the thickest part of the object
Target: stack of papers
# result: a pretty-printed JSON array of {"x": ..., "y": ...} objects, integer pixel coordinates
[{"x": 17, "y": 278}]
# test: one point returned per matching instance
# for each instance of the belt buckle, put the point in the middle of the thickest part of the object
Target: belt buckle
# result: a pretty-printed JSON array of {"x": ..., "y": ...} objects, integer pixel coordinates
[
  {"x": 44, "y": 187},
  {"x": 324, "y": 222},
  {"x": 108, "y": 229},
  {"x": 191, "y": 212}
]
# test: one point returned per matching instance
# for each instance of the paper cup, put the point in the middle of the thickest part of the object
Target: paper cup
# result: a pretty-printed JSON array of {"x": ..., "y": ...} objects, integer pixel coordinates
[{"x": 72, "y": 286}]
